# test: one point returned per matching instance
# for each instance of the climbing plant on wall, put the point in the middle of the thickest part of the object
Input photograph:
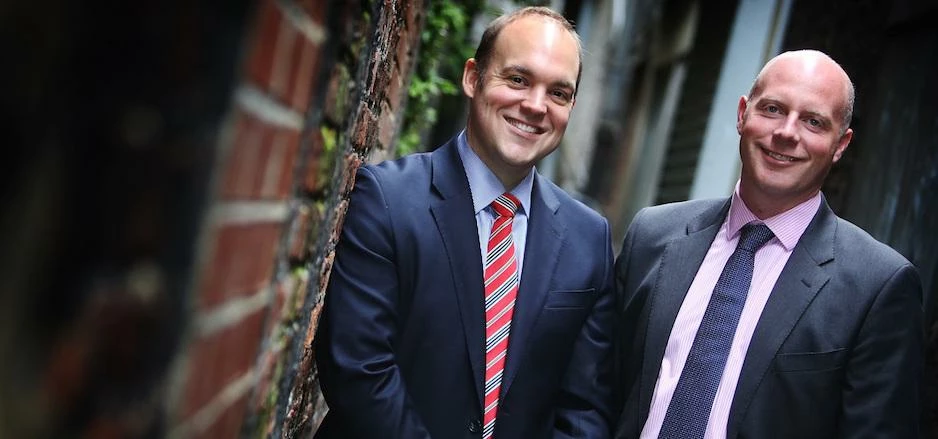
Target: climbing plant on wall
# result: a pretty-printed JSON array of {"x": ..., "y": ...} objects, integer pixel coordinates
[{"x": 445, "y": 44}]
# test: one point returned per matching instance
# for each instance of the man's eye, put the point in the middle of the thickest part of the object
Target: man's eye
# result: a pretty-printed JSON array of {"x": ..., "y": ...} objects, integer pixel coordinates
[
  {"x": 772, "y": 109},
  {"x": 516, "y": 79},
  {"x": 814, "y": 122},
  {"x": 561, "y": 95}
]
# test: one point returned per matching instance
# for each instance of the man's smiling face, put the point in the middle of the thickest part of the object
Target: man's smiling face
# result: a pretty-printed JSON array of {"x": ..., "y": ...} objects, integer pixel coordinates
[
  {"x": 520, "y": 106},
  {"x": 791, "y": 132}
]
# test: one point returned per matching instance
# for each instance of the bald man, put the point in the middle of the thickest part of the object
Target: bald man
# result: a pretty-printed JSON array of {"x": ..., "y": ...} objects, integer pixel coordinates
[{"x": 764, "y": 315}]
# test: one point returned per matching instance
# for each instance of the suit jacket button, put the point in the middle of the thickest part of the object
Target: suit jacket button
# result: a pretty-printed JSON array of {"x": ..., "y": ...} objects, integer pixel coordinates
[{"x": 475, "y": 426}]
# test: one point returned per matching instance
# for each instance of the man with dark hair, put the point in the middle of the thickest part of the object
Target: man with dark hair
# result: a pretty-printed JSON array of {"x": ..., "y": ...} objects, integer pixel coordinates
[
  {"x": 470, "y": 296},
  {"x": 765, "y": 315},
  {"x": 487, "y": 43}
]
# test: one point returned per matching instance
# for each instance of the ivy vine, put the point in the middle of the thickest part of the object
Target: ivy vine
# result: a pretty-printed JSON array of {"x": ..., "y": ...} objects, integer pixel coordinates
[
  {"x": 445, "y": 44},
  {"x": 444, "y": 47}
]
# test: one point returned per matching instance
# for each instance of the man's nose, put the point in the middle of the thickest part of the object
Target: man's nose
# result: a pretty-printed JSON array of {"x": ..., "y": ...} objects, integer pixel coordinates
[
  {"x": 788, "y": 130},
  {"x": 536, "y": 101}
]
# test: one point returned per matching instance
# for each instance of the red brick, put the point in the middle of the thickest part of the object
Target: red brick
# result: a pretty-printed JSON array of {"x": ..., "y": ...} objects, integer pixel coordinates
[
  {"x": 240, "y": 345},
  {"x": 271, "y": 167},
  {"x": 267, "y": 379},
  {"x": 242, "y": 125},
  {"x": 229, "y": 422},
  {"x": 288, "y": 167},
  {"x": 296, "y": 297},
  {"x": 395, "y": 86},
  {"x": 242, "y": 261},
  {"x": 283, "y": 307},
  {"x": 364, "y": 129},
  {"x": 244, "y": 170},
  {"x": 352, "y": 163},
  {"x": 254, "y": 174},
  {"x": 262, "y": 161},
  {"x": 277, "y": 310},
  {"x": 412, "y": 39},
  {"x": 387, "y": 127},
  {"x": 311, "y": 168},
  {"x": 299, "y": 235},
  {"x": 315, "y": 313},
  {"x": 325, "y": 269},
  {"x": 266, "y": 30},
  {"x": 219, "y": 359},
  {"x": 306, "y": 68},
  {"x": 411, "y": 15},
  {"x": 381, "y": 72},
  {"x": 278, "y": 165},
  {"x": 316, "y": 10},
  {"x": 338, "y": 99},
  {"x": 203, "y": 381},
  {"x": 284, "y": 62},
  {"x": 402, "y": 56}
]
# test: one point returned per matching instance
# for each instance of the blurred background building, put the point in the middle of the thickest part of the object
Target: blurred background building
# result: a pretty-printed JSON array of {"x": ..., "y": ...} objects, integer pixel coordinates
[{"x": 177, "y": 173}]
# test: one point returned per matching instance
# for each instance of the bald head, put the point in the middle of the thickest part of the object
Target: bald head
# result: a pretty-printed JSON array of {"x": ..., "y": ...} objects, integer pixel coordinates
[{"x": 812, "y": 63}]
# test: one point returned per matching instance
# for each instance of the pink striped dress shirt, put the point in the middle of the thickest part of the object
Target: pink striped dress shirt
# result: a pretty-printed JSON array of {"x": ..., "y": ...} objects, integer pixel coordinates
[{"x": 769, "y": 261}]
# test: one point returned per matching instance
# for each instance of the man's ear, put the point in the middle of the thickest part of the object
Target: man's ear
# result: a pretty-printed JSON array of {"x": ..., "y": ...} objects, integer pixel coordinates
[
  {"x": 470, "y": 77},
  {"x": 842, "y": 144},
  {"x": 741, "y": 113}
]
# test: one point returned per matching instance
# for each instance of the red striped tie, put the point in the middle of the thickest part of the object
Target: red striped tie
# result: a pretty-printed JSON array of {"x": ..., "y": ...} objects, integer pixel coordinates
[{"x": 501, "y": 287}]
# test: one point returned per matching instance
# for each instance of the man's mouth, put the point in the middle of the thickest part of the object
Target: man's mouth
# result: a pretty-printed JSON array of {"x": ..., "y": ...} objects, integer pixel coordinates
[
  {"x": 523, "y": 126},
  {"x": 780, "y": 157}
]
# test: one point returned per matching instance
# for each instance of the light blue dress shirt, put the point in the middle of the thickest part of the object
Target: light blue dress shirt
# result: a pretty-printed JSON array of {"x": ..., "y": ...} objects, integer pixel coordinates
[{"x": 485, "y": 187}]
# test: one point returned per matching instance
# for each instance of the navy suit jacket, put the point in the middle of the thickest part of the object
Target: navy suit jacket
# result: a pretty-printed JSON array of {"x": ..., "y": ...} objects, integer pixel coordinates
[
  {"x": 837, "y": 351},
  {"x": 400, "y": 346}
]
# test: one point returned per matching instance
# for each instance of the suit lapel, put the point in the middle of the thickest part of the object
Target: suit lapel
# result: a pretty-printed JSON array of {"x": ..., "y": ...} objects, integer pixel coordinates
[
  {"x": 455, "y": 220},
  {"x": 797, "y": 285},
  {"x": 542, "y": 247},
  {"x": 679, "y": 264}
]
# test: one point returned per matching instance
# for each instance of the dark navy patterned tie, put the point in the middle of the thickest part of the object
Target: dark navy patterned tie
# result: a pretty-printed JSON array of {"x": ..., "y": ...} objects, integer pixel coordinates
[{"x": 690, "y": 406}]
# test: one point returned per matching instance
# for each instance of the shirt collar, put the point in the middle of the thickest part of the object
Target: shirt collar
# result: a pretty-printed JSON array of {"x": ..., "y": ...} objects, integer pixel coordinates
[
  {"x": 787, "y": 226},
  {"x": 484, "y": 186}
]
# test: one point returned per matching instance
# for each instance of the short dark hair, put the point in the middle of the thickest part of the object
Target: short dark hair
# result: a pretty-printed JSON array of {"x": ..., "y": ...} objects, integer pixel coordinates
[{"x": 487, "y": 44}]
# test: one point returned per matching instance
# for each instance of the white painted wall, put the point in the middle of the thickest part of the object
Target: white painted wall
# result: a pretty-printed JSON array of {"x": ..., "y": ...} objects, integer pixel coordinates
[{"x": 758, "y": 30}]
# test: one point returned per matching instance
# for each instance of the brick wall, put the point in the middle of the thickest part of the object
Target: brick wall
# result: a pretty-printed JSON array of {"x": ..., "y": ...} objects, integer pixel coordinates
[
  {"x": 321, "y": 88},
  {"x": 239, "y": 282},
  {"x": 110, "y": 117},
  {"x": 360, "y": 119},
  {"x": 179, "y": 174}
]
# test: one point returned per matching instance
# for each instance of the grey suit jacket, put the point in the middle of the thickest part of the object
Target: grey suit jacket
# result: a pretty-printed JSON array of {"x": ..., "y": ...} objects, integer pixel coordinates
[{"x": 837, "y": 351}]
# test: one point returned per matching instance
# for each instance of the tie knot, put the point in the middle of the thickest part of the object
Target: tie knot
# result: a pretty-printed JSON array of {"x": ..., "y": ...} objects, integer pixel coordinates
[
  {"x": 505, "y": 205},
  {"x": 754, "y": 236}
]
